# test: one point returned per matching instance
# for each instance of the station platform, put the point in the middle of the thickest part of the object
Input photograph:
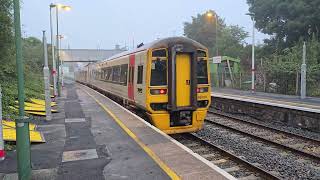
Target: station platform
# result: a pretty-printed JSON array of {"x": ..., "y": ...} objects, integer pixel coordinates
[
  {"x": 308, "y": 104},
  {"x": 92, "y": 137}
]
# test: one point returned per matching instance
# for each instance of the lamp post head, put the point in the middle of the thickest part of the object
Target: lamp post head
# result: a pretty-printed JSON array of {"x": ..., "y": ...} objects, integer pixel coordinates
[
  {"x": 61, "y": 6},
  {"x": 209, "y": 14},
  {"x": 66, "y": 8}
]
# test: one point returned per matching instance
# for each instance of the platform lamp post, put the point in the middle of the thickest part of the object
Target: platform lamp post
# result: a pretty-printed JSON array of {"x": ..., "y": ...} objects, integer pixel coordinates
[
  {"x": 61, "y": 37},
  {"x": 46, "y": 78},
  {"x": 57, "y": 7},
  {"x": 54, "y": 65},
  {"x": 253, "y": 88},
  {"x": 211, "y": 14},
  {"x": 22, "y": 126}
]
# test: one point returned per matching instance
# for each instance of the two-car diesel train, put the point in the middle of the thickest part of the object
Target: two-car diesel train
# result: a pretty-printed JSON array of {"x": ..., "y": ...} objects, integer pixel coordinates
[{"x": 168, "y": 79}]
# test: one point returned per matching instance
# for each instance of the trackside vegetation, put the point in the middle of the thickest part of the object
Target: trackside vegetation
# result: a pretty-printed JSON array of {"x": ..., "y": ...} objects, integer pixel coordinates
[
  {"x": 289, "y": 23},
  {"x": 32, "y": 56}
]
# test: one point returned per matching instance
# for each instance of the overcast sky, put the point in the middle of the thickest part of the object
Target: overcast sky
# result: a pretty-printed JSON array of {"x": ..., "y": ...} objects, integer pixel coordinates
[{"x": 104, "y": 23}]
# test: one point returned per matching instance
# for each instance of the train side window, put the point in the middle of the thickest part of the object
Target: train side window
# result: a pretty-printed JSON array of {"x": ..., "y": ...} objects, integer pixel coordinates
[
  {"x": 124, "y": 72},
  {"x": 116, "y": 74},
  {"x": 100, "y": 73},
  {"x": 105, "y": 74},
  {"x": 140, "y": 74}
]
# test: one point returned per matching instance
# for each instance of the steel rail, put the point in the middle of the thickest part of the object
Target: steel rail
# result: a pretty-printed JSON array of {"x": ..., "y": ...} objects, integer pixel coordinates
[
  {"x": 253, "y": 168},
  {"x": 297, "y": 151},
  {"x": 267, "y": 127}
]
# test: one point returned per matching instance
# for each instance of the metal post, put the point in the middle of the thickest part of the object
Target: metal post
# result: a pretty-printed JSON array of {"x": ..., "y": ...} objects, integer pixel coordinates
[
  {"x": 22, "y": 128},
  {"x": 58, "y": 51},
  {"x": 304, "y": 73},
  {"x": 62, "y": 63},
  {"x": 217, "y": 48},
  {"x": 253, "y": 59},
  {"x": 46, "y": 78},
  {"x": 54, "y": 65},
  {"x": 2, "y": 152}
]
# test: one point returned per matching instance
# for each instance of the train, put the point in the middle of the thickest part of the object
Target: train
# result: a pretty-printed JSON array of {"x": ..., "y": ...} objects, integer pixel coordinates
[{"x": 168, "y": 80}]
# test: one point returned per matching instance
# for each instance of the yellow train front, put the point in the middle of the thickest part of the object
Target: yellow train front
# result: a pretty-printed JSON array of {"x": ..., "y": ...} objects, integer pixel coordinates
[{"x": 168, "y": 79}]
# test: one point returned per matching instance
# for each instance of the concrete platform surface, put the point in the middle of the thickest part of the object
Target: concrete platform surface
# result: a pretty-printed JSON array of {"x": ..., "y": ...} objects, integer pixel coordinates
[
  {"x": 175, "y": 159},
  {"x": 309, "y": 104},
  {"x": 94, "y": 138}
]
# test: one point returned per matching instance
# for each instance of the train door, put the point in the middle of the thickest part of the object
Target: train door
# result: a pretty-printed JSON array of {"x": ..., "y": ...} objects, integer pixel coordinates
[
  {"x": 131, "y": 77},
  {"x": 140, "y": 79},
  {"x": 183, "y": 62}
]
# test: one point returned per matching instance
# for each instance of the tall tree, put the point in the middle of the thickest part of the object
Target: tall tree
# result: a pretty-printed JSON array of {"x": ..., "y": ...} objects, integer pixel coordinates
[
  {"x": 203, "y": 29},
  {"x": 286, "y": 20}
]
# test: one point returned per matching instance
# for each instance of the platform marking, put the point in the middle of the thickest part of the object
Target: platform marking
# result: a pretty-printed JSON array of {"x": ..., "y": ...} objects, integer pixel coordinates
[
  {"x": 79, "y": 155},
  {"x": 162, "y": 165},
  {"x": 74, "y": 120},
  {"x": 270, "y": 102}
]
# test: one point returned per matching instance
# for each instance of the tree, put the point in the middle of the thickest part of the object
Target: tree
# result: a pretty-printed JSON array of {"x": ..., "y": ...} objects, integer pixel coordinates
[
  {"x": 286, "y": 20},
  {"x": 203, "y": 29},
  {"x": 284, "y": 68},
  {"x": 231, "y": 41},
  {"x": 6, "y": 39}
]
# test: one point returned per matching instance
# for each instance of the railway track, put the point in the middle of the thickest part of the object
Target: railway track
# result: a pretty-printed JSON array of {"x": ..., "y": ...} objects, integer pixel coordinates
[
  {"x": 235, "y": 165},
  {"x": 295, "y": 143}
]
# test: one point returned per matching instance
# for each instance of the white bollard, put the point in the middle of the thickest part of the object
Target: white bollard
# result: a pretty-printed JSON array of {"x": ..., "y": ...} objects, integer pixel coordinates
[
  {"x": 46, "y": 79},
  {"x": 2, "y": 152}
]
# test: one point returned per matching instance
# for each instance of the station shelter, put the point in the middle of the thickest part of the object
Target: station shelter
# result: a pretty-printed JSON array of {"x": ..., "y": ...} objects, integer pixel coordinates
[{"x": 224, "y": 71}]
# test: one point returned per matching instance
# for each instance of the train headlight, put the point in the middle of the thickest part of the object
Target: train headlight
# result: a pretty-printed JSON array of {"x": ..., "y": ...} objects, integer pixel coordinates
[
  {"x": 158, "y": 91},
  {"x": 202, "y": 90}
]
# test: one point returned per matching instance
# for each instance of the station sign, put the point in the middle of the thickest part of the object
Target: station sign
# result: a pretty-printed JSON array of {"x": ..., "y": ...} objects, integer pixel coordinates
[{"x": 217, "y": 59}]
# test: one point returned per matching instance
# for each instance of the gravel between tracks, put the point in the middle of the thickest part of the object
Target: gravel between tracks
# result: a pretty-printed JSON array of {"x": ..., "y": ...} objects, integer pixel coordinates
[
  {"x": 273, "y": 124},
  {"x": 288, "y": 166}
]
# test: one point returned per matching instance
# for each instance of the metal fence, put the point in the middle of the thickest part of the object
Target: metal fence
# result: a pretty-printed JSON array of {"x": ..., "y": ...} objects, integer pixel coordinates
[{"x": 280, "y": 83}]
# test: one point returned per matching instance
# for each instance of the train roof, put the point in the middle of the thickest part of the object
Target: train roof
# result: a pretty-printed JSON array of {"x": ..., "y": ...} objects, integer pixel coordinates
[{"x": 161, "y": 43}]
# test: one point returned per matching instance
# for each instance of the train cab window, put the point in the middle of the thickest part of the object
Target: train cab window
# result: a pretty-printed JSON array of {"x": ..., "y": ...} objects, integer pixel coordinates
[
  {"x": 140, "y": 75},
  {"x": 116, "y": 74},
  {"x": 202, "y": 71},
  {"x": 159, "y": 53},
  {"x": 124, "y": 72},
  {"x": 159, "y": 72},
  {"x": 201, "y": 53}
]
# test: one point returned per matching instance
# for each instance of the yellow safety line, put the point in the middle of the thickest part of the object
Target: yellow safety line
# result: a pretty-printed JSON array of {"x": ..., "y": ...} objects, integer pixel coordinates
[
  {"x": 273, "y": 101},
  {"x": 163, "y": 166}
]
